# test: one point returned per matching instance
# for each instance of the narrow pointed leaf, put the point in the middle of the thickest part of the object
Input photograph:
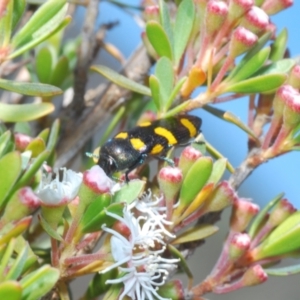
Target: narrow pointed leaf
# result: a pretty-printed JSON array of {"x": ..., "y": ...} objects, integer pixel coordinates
[
  {"x": 10, "y": 290},
  {"x": 43, "y": 19},
  {"x": 282, "y": 66},
  {"x": 259, "y": 84},
  {"x": 10, "y": 166},
  {"x": 54, "y": 133},
  {"x": 183, "y": 27},
  {"x": 196, "y": 233},
  {"x": 41, "y": 38},
  {"x": 284, "y": 271},
  {"x": 5, "y": 141},
  {"x": 17, "y": 267},
  {"x": 6, "y": 257},
  {"x": 30, "y": 88},
  {"x": 279, "y": 46},
  {"x": 19, "y": 7},
  {"x": 261, "y": 215},
  {"x": 195, "y": 180},
  {"x": 176, "y": 110},
  {"x": 6, "y": 24},
  {"x": 231, "y": 118},
  {"x": 159, "y": 39},
  {"x": 175, "y": 92},
  {"x": 36, "y": 146},
  {"x": 250, "y": 66},
  {"x": 121, "y": 80},
  {"x": 60, "y": 72},
  {"x": 219, "y": 168},
  {"x": 39, "y": 282},
  {"x": 155, "y": 91}
]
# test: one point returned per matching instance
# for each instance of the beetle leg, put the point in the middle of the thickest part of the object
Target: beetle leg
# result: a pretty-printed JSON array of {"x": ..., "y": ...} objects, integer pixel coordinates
[
  {"x": 140, "y": 161},
  {"x": 168, "y": 160}
]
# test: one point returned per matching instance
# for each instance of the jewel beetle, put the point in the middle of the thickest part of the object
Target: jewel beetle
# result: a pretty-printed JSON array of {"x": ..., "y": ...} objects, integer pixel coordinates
[{"x": 129, "y": 149}]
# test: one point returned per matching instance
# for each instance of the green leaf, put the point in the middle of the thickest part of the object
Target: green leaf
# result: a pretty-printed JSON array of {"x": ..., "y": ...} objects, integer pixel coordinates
[
  {"x": 17, "y": 268},
  {"x": 92, "y": 218},
  {"x": 250, "y": 66},
  {"x": 30, "y": 88},
  {"x": 165, "y": 75},
  {"x": 121, "y": 80},
  {"x": 48, "y": 15},
  {"x": 282, "y": 66},
  {"x": 183, "y": 27},
  {"x": 10, "y": 166},
  {"x": 39, "y": 282},
  {"x": 36, "y": 146},
  {"x": 34, "y": 42},
  {"x": 19, "y": 7},
  {"x": 129, "y": 192},
  {"x": 24, "y": 112},
  {"x": 44, "y": 63},
  {"x": 10, "y": 290},
  {"x": 159, "y": 39},
  {"x": 284, "y": 271},
  {"x": 102, "y": 218},
  {"x": 165, "y": 20},
  {"x": 201, "y": 170},
  {"x": 279, "y": 46},
  {"x": 6, "y": 24},
  {"x": 155, "y": 91},
  {"x": 6, "y": 257},
  {"x": 196, "y": 233},
  {"x": 259, "y": 84},
  {"x": 49, "y": 229},
  {"x": 175, "y": 92},
  {"x": 54, "y": 133},
  {"x": 30, "y": 172},
  {"x": 176, "y": 110},
  {"x": 60, "y": 72},
  {"x": 256, "y": 224},
  {"x": 253, "y": 51},
  {"x": 5, "y": 142},
  {"x": 218, "y": 170}
]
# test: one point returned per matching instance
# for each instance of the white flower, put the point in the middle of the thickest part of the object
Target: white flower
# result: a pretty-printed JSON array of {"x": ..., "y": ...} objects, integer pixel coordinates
[
  {"x": 138, "y": 257},
  {"x": 58, "y": 191}
]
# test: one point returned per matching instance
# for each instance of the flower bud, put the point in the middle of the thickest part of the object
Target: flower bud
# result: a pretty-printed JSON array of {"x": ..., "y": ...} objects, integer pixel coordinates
[
  {"x": 215, "y": 15},
  {"x": 241, "y": 41},
  {"x": 151, "y": 13},
  {"x": 172, "y": 290},
  {"x": 22, "y": 203},
  {"x": 223, "y": 195},
  {"x": 280, "y": 213},
  {"x": 170, "y": 180},
  {"x": 22, "y": 141},
  {"x": 255, "y": 20},
  {"x": 254, "y": 275},
  {"x": 187, "y": 158},
  {"x": 242, "y": 213},
  {"x": 238, "y": 245},
  {"x": 294, "y": 78},
  {"x": 272, "y": 7},
  {"x": 237, "y": 8}
]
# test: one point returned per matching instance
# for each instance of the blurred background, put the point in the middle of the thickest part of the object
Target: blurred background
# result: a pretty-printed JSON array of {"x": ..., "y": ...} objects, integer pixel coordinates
[{"x": 278, "y": 175}]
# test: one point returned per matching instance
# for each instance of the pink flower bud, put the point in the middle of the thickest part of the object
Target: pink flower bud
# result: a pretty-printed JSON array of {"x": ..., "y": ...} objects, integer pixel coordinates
[
  {"x": 216, "y": 12},
  {"x": 241, "y": 41},
  {"x": 272, "y": 7},
  {"x": 294, "y": 78},
  {"x": 22, "y": 141},
  {"x": 151, "y": 13},
  {"x": 238, "y": 7},
  {"x": 281, "y": 212},
  {"x": 187, "y": 158},
  {"x": 147, "y": 116},
  {"x": 238, "y": 245},
  {"x": 29, "y": 198},
  {"x": 256, "y": 20},
  {"x": 254, "y": 275},
  {"x": 242, "y": 213},
  {"x": 97, "y": 181}
]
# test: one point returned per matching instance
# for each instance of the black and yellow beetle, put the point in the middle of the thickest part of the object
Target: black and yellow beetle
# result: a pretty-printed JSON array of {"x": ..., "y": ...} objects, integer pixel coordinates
[{"x": 129, "y": 149}]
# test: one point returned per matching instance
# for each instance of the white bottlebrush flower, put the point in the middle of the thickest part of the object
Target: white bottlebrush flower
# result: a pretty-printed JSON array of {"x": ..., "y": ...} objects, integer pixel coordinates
[
  {"x": 138, "y": 256},
  {"x": 59, "y": 191}
]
